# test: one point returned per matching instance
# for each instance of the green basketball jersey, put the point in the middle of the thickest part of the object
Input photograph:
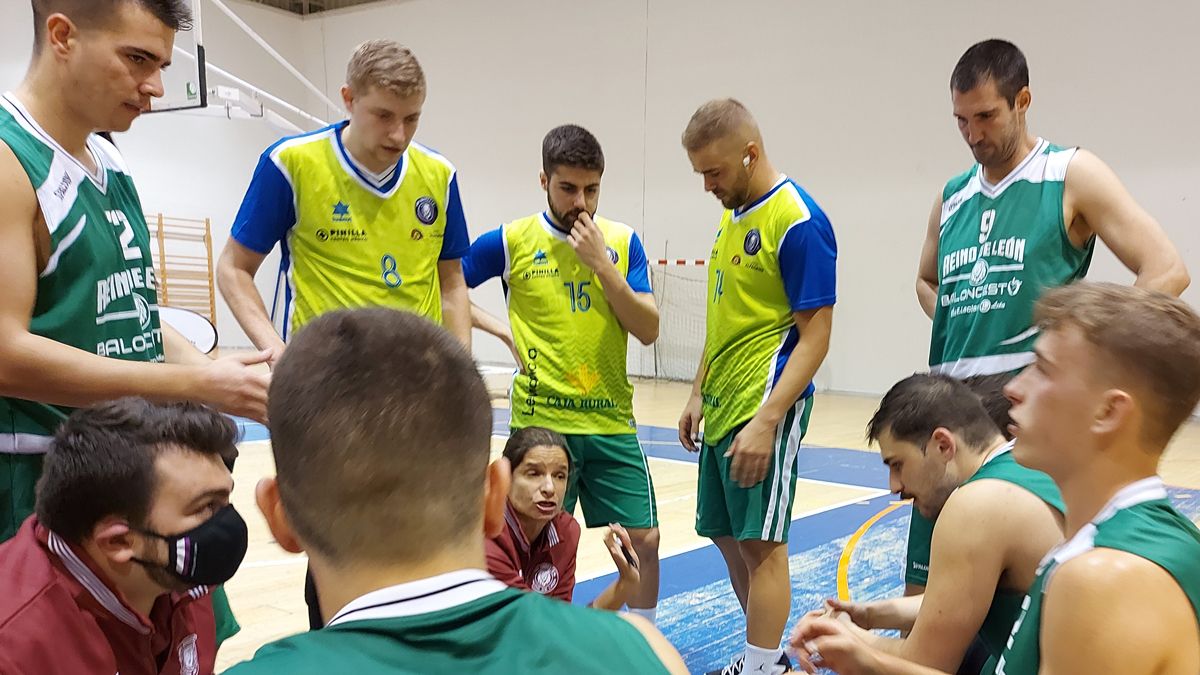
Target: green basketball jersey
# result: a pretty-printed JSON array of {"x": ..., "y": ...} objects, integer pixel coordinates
[
  {"x": 999, "y": 248},
  {"x": 97, "y": 291},
  {"x": 774, "y": 257},
  {"x": 1006, "y": 603},
  {"x": 574, "y": 347},
  {"x": 1140, "y": 520},
  {"x": 461, "y": 622}
]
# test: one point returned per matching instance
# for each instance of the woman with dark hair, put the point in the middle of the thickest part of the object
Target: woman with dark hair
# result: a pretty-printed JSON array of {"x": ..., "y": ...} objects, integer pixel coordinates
[{"x": 536, "y": 550}]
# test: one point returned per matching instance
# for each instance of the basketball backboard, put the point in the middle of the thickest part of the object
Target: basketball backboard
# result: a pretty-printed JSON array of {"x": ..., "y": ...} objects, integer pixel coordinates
[{"x": 185, "y": 85}]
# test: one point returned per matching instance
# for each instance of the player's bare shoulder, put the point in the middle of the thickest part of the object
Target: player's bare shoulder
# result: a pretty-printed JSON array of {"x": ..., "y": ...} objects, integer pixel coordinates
[{"x": 19, "y": 212}]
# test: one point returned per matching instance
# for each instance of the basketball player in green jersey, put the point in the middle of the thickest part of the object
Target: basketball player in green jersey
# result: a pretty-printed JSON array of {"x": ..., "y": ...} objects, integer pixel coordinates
[
  {"x": 1024, "y": 219},
  {"x": 79, "y": 315},
  {"x": 995, "y": 521},
  {"x": 771, "y": 289},
  {"x": 1116, "y": 373},
  {"x": 392, "y": 496}
]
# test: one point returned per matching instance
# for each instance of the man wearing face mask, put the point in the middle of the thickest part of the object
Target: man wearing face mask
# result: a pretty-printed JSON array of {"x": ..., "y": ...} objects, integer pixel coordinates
[{"x": 133, "y": 528}]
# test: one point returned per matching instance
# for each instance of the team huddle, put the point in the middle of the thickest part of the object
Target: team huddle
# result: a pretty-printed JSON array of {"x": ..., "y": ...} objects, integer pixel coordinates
[{"x": 1042, "y": 539}]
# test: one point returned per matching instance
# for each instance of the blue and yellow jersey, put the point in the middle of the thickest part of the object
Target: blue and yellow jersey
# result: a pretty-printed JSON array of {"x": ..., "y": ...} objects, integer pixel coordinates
[
  {"x": 574, "y": 348},
  {"x": 352, "y": 238},
  {"x": 774, "y": 257}
]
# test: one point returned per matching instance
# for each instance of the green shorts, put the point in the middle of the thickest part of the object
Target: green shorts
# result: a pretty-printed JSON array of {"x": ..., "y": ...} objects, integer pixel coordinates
[
  {"x": 764, "y": 511},
  {"x": 18, "y": 488},
  {"x": 920, "y": 540},
  {"x": 611, "y": 481}
]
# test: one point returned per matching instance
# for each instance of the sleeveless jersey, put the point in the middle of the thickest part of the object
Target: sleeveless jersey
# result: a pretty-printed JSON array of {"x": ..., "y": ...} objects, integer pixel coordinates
[
  {"x": 572, "y": 344},
  {"x": 351, "y": 239},
  {"x": 1139, "y": 520},
  {"x": 1000, "y": 246},
  {"x": 774, "y": 257},
  {"x": 462, "y": 622},
  {"x": 97, "y": 291},
  {"x": 1006, "y": 604}
]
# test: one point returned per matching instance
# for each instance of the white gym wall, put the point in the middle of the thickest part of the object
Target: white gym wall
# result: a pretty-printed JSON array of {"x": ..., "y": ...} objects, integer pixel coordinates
[{"x": 852, "y": 97}]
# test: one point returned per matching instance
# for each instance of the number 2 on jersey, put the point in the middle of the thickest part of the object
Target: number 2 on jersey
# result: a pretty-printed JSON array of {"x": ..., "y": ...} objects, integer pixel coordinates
[
  {"x": 128, "y": 248},
  {"x": 580, "y": 300}
]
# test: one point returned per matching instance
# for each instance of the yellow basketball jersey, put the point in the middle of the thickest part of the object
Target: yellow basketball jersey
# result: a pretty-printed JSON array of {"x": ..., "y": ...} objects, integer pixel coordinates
[
  {"x": 351, "y": 238},
  {"x": 573, "y": 346}
]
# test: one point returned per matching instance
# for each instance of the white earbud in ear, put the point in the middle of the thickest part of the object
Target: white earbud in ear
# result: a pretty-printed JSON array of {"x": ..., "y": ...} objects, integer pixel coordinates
[{"x": 746, "y": 161}]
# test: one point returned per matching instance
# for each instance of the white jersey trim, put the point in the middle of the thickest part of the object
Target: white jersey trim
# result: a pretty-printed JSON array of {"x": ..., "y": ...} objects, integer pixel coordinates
[
  {"x": 998, "y": 452},
  {"x": 1040, "y": 165},
  {"x": 71, "y": 238},
  {"x": 735, "y": 216},
  {"x": 24, "y": 444},
  {"x": 423, "y": 596},
  {"x": 549, "y": 227},
  {"x": 1145, "y": 490},
  {"x": 1021, "y": 171},
  {"x": 984, "y": 365},
  {"x": 30, "y": 125}
]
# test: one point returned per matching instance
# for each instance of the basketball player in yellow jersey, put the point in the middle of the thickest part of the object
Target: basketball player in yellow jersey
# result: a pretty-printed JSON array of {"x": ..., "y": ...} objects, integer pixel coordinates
[
  {"x": 771, "y": 289},
  {"x": 364, "y": 215},
  {"x": 577, "y": 285}
]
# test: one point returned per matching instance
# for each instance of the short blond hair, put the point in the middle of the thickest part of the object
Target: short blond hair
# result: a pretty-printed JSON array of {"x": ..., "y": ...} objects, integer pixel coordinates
[
  {"x": 387, "y": 65},
  {"x": 716, "y": 120},
  {"x": 1151, "y": 341}
]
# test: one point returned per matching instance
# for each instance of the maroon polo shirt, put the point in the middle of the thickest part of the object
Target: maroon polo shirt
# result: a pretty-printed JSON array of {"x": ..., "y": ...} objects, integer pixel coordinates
[
  {"x": 58, "y": 616},
  {"x": 545, "y": 565}
]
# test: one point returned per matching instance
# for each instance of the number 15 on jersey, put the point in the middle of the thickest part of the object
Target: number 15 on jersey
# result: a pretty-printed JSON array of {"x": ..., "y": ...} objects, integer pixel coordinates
[{"x": 580, "y": 300}]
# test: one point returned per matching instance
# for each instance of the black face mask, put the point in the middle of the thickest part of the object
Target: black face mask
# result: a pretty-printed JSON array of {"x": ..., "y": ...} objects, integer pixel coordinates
[{"x": 207, "y": 555}]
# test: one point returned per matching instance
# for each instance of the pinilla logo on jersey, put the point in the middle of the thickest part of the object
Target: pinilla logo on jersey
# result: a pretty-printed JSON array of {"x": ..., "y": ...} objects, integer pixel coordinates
[
  {"x": 612, "y": 255},
  {"x": 540, "y": 258},
  {"x": 427, "y": 210}
]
